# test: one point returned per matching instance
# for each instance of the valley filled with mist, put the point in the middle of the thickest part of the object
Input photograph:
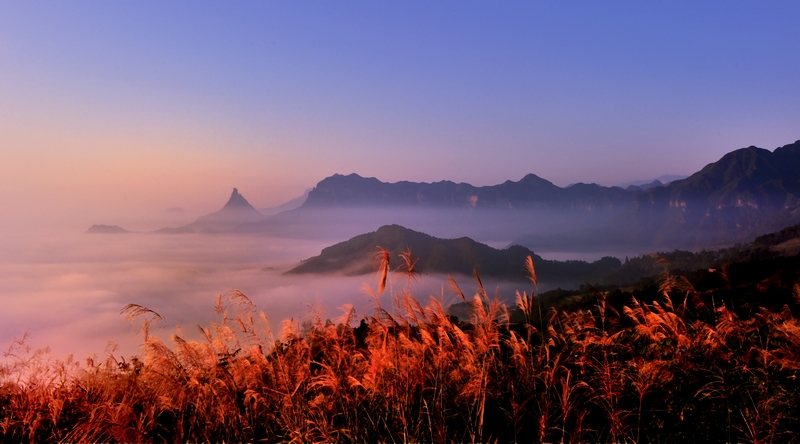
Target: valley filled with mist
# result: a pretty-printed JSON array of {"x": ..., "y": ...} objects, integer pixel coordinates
[
  {"x": 67, "y": 280},
  {"x": 64, "y": 290}
]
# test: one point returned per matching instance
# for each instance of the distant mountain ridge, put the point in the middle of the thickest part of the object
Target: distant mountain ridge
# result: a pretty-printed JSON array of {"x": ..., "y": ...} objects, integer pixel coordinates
[
  {"x": 342, "y": 206},
  {"x": 663, "y": 179},
  {"x": 530, "y": 191},
  {"x": 748, "y": 192},
  {"x": 748, "y": 177},
  {"x": 290, "y": 205},
  {"x": 645, "y": 186}
]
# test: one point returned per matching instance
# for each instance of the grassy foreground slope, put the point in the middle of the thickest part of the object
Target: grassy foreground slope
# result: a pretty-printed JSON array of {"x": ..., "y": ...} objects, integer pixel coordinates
[{"x": 684, "y": 364}]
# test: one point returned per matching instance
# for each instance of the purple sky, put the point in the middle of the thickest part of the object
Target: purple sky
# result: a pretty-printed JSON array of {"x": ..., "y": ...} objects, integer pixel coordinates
[{"x": 110, "y": 108}]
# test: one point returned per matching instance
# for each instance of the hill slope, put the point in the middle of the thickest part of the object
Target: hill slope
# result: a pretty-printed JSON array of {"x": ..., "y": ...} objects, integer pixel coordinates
[
  {"x": 780, "y": 244},
  {"x": 462, "y": 255}
]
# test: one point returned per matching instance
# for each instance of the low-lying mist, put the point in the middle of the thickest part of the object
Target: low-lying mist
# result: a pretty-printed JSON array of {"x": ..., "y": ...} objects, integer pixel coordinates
[
  {"x": 496, "y": 226},
  {"x": 66, "y": 290}
]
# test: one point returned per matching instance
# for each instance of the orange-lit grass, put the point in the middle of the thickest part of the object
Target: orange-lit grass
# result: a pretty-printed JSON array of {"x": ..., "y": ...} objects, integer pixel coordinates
[{"x": 655, "y": 372}]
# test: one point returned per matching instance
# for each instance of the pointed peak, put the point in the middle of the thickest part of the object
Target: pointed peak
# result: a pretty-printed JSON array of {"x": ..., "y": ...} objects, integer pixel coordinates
[{"x": 237, "y": 200}]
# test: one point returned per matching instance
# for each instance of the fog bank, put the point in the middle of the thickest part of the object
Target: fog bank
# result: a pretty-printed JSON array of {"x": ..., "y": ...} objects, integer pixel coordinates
[{"x": 66, "y": 290}]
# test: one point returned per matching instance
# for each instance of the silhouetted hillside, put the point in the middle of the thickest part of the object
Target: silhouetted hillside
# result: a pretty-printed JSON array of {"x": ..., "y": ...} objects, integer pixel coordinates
[
  {"x": 784, "y": 243},
  {"x": 462, "y": 255},
  {"x": 780, "y": 242}
]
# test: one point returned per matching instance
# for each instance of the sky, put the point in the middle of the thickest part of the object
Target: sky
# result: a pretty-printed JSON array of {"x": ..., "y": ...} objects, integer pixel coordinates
[{"x": 111, "y": 109}]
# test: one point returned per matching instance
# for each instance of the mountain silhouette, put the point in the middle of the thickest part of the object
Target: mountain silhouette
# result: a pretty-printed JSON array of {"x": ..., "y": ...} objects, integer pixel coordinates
[
  {"x": 236, "y": 212},
  {"x": 342, "y": 206},
  {"x": 530, "y": 191},
  {"x": 662, "y": 180},
  {"x": 744, "y": 187},
  {"x": 435, "y": 255},
  {"x": 748, "y": 192}
]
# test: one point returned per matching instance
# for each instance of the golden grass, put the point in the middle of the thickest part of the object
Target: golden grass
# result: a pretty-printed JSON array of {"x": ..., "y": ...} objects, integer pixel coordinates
[{"x": 693, "y": 371}]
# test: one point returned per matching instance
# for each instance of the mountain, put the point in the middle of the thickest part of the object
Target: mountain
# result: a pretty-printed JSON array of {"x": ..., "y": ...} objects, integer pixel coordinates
[
  {"x": 106, "y": 229},
  {"x": 290, "y": 205},
  {"x": 462, "y": 255},
  {"x": 344, "y": 206},
  {"x": 747, "y": 192},
  {"x": 785, "y": 242},
  {"x": 780, "y": 244},
  {"x": 664, "y": 179},
  {"x": 236, "y": 212},
  {"x": 531, "y": 191},
  {"x": 645, "y": 186}
]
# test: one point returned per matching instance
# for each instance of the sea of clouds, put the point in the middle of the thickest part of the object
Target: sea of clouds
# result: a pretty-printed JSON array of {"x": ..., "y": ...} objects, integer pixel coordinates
[{"x": 65, "y": 290}]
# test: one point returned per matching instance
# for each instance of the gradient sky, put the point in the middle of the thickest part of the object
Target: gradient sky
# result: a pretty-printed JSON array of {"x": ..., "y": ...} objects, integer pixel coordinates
[{"x": 114, "y": 108}]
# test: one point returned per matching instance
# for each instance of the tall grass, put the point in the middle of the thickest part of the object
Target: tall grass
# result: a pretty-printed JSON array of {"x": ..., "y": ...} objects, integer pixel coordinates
[{"x": 681, "y": 368}]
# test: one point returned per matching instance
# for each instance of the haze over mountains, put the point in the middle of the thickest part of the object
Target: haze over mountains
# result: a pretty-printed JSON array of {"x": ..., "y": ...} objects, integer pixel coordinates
[
  {"x": 659, "y": 181},
  {"x": 748, "y": 192},
  {"x": 290, "y": 205}
]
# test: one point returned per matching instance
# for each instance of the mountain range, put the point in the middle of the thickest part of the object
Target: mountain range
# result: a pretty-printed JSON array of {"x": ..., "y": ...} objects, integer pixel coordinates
[
  {"x": 748, "y": 192},
  {"x": 530, "y": 192}
]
